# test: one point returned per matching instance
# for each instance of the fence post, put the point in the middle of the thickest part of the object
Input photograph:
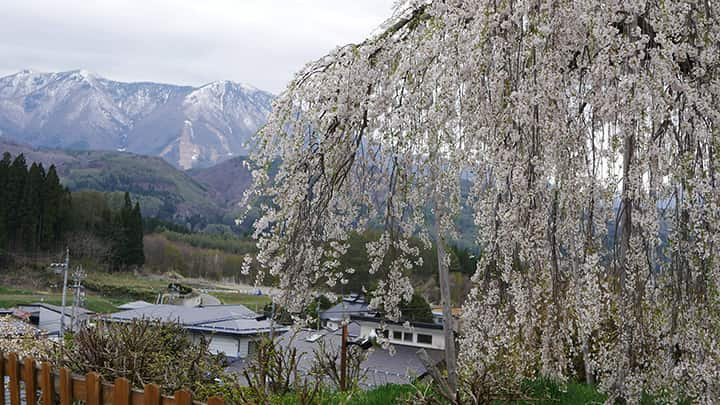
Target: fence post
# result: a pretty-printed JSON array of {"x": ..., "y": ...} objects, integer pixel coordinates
[
  {"x": 215, "y": 401},
  {"x": 92, "y": 389},
  {"x": 14, "y": 374},
  {"x": 121, "y": 391},
  {"x": 29, "y": 377},
  {"x": 182, "y": 397},
  {"x": 152, "y": 394},
  {"x": 65, "y": 387},
  {"x": 46, "y": 384},
  {"x": 2, "y": 378}
]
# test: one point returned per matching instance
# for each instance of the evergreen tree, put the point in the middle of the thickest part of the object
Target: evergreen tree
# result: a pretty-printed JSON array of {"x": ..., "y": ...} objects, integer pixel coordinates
[
  {"x": 53, "y": 202},
  {"x": 417, "y": 310},
  {"x": 30, "y": 209},
  {"x": 137, "y": 257},
  {"x": 122, "y": 238},
  {"x": 15, "y": 187},
  {"x": 128, "y": 236},
  {"x": 4, "y": 172}
]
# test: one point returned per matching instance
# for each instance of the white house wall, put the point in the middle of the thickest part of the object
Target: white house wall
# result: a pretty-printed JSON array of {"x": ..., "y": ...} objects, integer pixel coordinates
[
  {"x": 231, "y": 346},
  {"x": 438, "y": 340},
  {"x": 224, "y": 344}
]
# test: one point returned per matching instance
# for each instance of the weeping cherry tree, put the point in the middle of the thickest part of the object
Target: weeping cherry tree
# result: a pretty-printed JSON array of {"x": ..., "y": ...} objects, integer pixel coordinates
[{"x": 588, "y": 131}]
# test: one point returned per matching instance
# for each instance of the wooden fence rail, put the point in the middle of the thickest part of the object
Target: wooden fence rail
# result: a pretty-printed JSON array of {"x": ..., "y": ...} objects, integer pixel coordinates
[{"x": 63, "y": 387}]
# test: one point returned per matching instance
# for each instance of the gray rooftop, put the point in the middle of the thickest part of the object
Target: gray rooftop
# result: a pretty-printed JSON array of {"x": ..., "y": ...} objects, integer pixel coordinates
[
  {"x": 135, "y": 305},
  {"x": 351, "y": 305},
  {"x": 188, "y": 315},
  {"x": 55, "y": 308},
  {"x": 229, "y": 319},
  {"x": 380, "y": 367}
]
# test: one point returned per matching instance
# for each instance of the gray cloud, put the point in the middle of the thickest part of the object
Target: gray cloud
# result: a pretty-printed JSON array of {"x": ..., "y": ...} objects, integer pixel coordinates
[{"x": 260, "y": 42}]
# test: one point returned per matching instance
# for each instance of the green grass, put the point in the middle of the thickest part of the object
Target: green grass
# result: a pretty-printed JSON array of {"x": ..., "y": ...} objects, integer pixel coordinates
[
  {"x": 104, "y": 291},
  {"x": 124, "y": 286},
  {"x": 19, "y": 297},
  {"x": 107, "y": 290},
  {"x": 384, "y": 395},
  {"x": 547, "y": 392},
  {"x": 253, "y": 302},
  {"x": 540, "y": 391},
  {"x": 126, "y": 280}
]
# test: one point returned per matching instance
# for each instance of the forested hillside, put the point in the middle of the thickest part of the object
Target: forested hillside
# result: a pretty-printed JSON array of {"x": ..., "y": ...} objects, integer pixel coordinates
[
  {"x": 162, "y": 190},
  {"x": 38, "y": 214}
]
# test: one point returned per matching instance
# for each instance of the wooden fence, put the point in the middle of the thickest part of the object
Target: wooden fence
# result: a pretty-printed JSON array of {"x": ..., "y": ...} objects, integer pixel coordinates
[{"x": 65, "y": 387}]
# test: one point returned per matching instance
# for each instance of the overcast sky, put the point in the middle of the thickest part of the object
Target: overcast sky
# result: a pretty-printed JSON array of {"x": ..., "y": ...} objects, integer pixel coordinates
[{"x": 259, "y": 42}]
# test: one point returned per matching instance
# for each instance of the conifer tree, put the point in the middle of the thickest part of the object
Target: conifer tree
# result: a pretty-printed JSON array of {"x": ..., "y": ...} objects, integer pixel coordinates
[
  {"x": 54, "y": 195},
  {"x": 30, "y": 208},
  {"x": 17, "y": 175},
  {"x": 137, "y": 257},
  {"x": 4, "y": 170}
]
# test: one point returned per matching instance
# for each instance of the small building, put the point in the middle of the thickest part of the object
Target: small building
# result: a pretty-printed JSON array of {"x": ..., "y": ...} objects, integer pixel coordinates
[
  {"x": 351, "y": 305},
  {"x": 417, "y": 334},
  {"x": 437, "y": 313},
  {"x": 232, "y": 329},
  {"x": 397, "y": 365},
  {"x": 48, "y": 317}
]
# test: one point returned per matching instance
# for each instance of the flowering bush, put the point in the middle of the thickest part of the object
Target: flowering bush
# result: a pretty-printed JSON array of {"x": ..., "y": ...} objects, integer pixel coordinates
[{"x": 19, "y": 337}]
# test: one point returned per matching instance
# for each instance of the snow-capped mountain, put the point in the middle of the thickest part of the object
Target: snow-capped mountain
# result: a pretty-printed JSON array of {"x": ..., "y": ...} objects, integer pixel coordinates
[{"x": 187, "y": 126}]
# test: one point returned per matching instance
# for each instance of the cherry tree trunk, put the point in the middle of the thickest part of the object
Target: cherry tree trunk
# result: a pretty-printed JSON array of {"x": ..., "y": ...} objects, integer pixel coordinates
[{"x": 446, "y": 298}]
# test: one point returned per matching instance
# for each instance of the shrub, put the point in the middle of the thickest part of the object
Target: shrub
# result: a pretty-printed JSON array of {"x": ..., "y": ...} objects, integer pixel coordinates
[{"x": 146, "y": 351}]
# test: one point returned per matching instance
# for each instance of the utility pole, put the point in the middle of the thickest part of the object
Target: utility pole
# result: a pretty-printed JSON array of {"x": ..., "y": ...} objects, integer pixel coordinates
[
  {"x": 343, "y": 357},
  {"x": 64, "y": 294},
  {"x": 78, "y": 276},
  {"x": 272, "y": 321},
  {"x": 317, "y": 314}
]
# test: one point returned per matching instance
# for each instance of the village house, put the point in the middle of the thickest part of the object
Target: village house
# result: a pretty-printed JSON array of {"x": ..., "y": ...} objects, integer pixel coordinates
[
  {"x": 397, "y": 365},
  {"x": 415, "y": 334},
  {"x": 48, "y": 317},
  {"x": 353, "y": 304},
  {"x": 232, "y": 329}
]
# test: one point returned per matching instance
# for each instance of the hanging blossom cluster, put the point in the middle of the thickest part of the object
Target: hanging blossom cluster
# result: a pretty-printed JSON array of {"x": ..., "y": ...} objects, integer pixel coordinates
[{"x": 589, "y": 133}]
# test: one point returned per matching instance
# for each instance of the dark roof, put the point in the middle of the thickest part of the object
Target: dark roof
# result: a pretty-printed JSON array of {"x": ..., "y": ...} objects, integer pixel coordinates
[
  {"x": 227, "y": 319},
  {"x": 380, "y": 367},
  {"x": 56, "y": 308},
  {"x": 352, "y": 304},
  {"x": 426, "y": 325}
]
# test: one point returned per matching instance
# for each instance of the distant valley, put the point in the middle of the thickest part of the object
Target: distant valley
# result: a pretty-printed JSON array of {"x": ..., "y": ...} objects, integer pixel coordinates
[{"x": 189, "y": 127}]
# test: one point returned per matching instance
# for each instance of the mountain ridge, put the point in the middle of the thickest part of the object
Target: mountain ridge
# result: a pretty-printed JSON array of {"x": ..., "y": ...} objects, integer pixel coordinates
[{"x": 188, "y": 126}]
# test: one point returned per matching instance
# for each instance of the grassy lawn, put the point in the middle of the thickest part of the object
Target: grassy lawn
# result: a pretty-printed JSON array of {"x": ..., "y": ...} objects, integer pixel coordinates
[
  {"x": 105, "y": 291},
  {"x": 386, "y": 394},
  {"x": 253, "y": 302},
  {"x": 575, "y": 393},
  {"x": 541, "y": 392},
  {"x": 12, "y": 297},
  {"x": 124, "y": 286}
]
